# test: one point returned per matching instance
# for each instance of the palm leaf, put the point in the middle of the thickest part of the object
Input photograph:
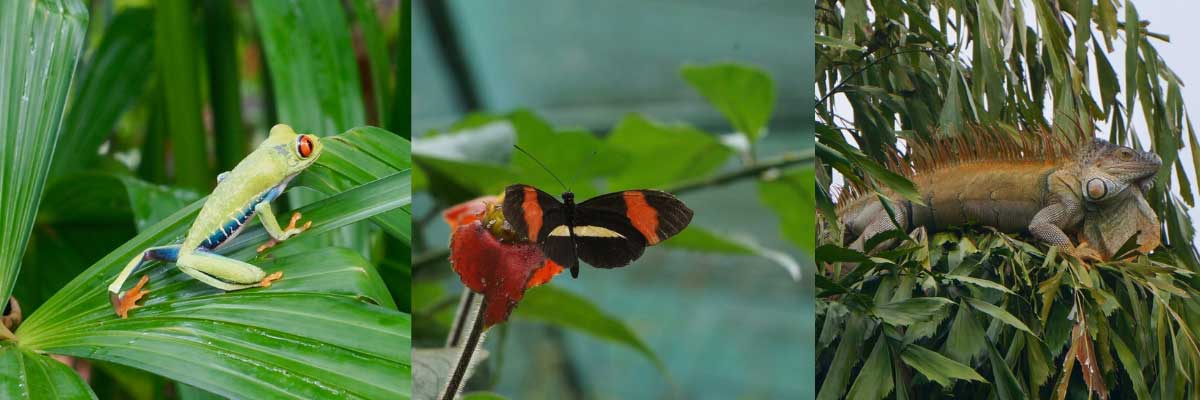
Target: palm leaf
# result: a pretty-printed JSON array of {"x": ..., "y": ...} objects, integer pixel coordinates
[{"x": 40, "y": 45}]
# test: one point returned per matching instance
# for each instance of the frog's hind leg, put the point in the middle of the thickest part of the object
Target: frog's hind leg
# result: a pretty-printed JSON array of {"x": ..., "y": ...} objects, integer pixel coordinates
[
  {"x": 123, "y": 303},
  {"x": 223, "y": 272}
]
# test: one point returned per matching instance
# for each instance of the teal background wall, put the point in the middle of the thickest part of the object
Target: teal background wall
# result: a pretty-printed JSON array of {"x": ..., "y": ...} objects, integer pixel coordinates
[{"x": 726, "y": 327}]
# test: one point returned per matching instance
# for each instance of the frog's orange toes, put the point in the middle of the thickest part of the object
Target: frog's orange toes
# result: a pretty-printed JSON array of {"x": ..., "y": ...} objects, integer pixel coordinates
[
  {"x": 292, "y": 223},
  {"x": 274, "y": 276},
  {"x": 129, "y": 301},
  {"x": 269, "y": 244}
]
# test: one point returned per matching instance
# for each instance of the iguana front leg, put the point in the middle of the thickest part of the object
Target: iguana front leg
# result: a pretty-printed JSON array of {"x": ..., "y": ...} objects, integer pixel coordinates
[
  {"x": 880, "y": 223},
  {"x": 1047, "y": 226}
]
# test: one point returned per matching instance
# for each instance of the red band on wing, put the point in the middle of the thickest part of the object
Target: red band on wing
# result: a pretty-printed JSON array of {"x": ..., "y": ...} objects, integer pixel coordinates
[
  {"x": 533, "y": 213},
  {"x": 642, "y": 215}
]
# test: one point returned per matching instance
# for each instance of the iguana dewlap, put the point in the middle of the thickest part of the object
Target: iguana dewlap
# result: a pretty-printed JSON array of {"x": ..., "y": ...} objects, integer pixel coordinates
[{"x": 1095, "y": 194}]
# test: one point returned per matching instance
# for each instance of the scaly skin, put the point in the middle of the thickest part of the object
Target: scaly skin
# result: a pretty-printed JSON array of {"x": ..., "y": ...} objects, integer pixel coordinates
[{"x": 1098, "y": 195}]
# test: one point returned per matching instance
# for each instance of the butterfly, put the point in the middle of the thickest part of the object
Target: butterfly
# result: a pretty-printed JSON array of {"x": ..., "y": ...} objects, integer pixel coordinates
[{"x": 606, "y": 231}]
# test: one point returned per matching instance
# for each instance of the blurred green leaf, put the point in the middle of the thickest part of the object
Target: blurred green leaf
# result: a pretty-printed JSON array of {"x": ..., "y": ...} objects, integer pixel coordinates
[
  {"x": 109, "y": 81},
  {"x": 224, "y": 83},
  {"x": 745, "y": 95},
  {"x": 482, "y": 396},
  {"x": 661, "y": 154},
  {"x": 151, "y": 203},
  {"x": 41, "y": 42},
  {"x": 699, "y": 239},
  {"x": 381, "y": 76},
  {"x": 559, "y": 307},
  {"x": 792, "y": 196},
  {"x": 312, "y": 64},
  {"x": 176, "y": 54},
  {"x": 432, "y": 367}
]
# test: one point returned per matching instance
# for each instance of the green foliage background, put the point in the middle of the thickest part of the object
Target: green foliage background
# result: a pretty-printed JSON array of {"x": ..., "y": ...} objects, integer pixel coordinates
[
  {"x": 166, "y": 95},
  {"x": 970, "y": 313}
]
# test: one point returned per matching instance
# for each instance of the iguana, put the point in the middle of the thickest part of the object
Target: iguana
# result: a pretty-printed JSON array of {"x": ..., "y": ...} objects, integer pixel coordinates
[{"x": 1052, "y": 189}]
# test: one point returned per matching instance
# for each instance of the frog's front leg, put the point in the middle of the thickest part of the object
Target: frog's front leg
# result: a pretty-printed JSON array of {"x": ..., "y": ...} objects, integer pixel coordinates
[
  {"x": 123, "y": 303},
  {"x": 267, "y": 215},
  {"x": 224, "y": 273}
]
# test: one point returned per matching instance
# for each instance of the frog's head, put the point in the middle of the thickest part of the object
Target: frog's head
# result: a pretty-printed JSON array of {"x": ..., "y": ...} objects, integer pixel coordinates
[{"x": 298, "y": 151}]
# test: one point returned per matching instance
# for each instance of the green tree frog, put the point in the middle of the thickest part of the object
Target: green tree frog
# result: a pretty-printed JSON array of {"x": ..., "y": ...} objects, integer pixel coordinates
[{"x": 240, "y": 194}]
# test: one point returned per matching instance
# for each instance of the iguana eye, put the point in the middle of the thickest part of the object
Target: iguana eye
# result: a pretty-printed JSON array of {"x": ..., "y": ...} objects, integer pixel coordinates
[
  {"x": 304, "y": 146},
  {"x": 1125, "y": 154}
]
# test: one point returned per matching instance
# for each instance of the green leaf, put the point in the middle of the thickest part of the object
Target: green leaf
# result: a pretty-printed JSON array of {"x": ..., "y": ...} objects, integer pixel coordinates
[
  {"x": 1132, "y": 367},
  {"x": 109, "y": 81},
  {"x": 875, "y": 379},
  {"x": 362, "y": 155},
  {"x": 792, "y": 196},
  {"x": 559, "y": 307},
  {"x": 28, "y": 375},
  {"x": 744, "y": 94},
  {"x": 910, "y": 311},
  {"x": 998, "y": 313},
  {"x": 1006, "y": 384},
  {"x": 966, "y": 340},
  {"x": 41, "y": 41},
  {"x": 851, "y": 342},
  {"x": 661, "y": 154},
  {"x": 937, "y": 367},
  {"x": 837, "y": 43},
  {"x": 343, "y": 337},
  {"x": 175, "y": 49}
]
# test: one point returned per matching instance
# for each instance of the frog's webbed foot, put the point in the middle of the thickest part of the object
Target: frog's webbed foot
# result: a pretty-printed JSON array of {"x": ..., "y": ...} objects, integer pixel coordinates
[
  {"x": 288, "y": 232},
  {"x": 274, "y": 276},
  {"x": 122, "y": 304}
]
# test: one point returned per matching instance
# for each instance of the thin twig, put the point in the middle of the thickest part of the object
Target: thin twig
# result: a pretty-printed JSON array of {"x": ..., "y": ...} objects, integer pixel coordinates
[
  {"x": 836, "y": 89},
  {"x": 464, "y": 358},
  {"x": 749, "y": 171}
]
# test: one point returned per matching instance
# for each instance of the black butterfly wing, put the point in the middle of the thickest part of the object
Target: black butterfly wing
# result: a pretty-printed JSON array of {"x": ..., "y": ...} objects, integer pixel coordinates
[
  {"x": 614, "y": 229},
  {"x": 536, "y": 214}
]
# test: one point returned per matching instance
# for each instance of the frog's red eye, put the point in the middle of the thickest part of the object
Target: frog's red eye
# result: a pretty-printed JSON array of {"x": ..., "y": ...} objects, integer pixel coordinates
[{"x": 304, "y": 146}]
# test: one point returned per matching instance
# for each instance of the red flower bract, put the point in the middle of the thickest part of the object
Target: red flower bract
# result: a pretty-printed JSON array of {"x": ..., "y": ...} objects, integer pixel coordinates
[{"x": 492, "y": 259}]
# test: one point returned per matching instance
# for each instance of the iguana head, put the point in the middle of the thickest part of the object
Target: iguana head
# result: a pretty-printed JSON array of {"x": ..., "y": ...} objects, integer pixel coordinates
[{"x": 1108, "y": 170}]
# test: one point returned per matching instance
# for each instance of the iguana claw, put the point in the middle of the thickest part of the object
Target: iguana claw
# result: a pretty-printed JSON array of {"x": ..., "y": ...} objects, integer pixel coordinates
[
  {"x": 122, "y": 304},
  {"x": 288, "y": 230}
]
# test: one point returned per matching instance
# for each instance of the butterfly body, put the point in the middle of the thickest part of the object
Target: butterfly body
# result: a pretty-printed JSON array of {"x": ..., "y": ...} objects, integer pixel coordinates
[{"x": 606, "y": 231}]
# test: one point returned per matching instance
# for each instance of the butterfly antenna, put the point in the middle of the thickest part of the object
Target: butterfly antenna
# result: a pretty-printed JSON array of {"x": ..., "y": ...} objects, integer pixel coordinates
[{"x": 539, "y": 163}]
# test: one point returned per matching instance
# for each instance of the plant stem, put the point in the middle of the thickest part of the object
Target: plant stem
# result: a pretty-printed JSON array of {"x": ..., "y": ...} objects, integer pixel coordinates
[
  {"x": 749, "y": 171},
  {"x": 468, "y": 351},
  {"x": 460, "y": 317}
]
